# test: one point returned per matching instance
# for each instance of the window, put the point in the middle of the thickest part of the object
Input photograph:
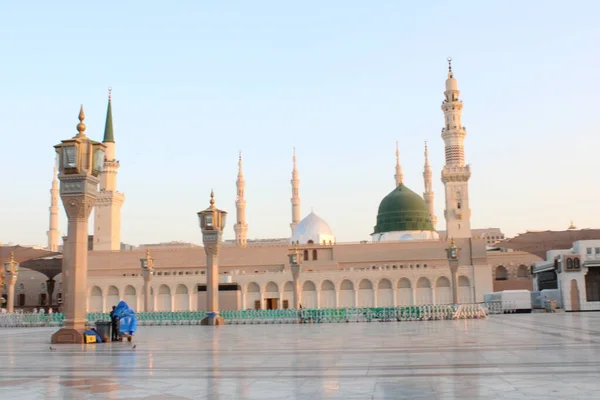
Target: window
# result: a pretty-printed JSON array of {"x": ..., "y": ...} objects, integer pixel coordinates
[
  {"x": 257, "y": 304},
  {"x": 501, "y": 273},
  {"x": 286, "y": 304},
  {"x": 588, "y": 251},
  {"x": 458, "y": 205},
  {"x": 315, "y": 255},
  {"x": 43, "y": 298},
  {"x": 597, "y": 251},
  {"x": 21, "y": 301},
  {"x": 569, "y": 263},
  {"x": 305, "y": 255}
]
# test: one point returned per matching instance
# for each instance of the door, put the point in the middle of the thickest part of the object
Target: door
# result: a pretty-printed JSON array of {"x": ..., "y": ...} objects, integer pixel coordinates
[
  {"x": 271, "y": 304},
  {"x": 575, "y": 305}
]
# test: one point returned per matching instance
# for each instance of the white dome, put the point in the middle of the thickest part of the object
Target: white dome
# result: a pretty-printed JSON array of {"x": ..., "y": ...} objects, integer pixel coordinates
[{"x": 312, "y": 228}]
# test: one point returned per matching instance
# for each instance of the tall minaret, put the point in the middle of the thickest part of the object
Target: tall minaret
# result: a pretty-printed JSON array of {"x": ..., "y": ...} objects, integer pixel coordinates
[
  {"x": 53, "y": 232},
  {"x": 241, "y": 228},
  {"x": 107, "y": 213},
  {"x": 398, "y": 176},
  {"x": 428, "y": 194},
  {"x": 295, "y": 195},
  {"x": 455, "y": 174}
]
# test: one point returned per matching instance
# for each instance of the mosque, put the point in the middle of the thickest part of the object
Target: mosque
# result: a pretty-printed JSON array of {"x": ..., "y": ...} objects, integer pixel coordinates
[{"x": 405, "y": 263}]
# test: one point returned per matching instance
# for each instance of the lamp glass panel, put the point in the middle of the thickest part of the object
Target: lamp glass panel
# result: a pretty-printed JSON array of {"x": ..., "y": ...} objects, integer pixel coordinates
[{"x": 69, "y": 157}]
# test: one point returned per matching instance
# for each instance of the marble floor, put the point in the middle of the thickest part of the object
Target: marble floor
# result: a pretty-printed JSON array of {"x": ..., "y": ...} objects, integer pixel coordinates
[{"x": 536, "y": 356}]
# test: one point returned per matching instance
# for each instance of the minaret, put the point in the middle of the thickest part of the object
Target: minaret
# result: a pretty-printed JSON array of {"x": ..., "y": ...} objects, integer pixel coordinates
[
  {"x": 53, "y": 232},
  {"x": 455, "y": 174},
  {"x": 107, "y": 213},
  {"x": 398, "y": 176},
  {"x": 295, "y": 195},
  {"x": 428, "y": 194},
  {"x": 241, "y": 228}
]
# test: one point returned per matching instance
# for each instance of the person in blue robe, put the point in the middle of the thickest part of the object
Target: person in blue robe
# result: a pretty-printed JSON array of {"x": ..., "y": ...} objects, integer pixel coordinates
[{"x": 127, "y": 320}]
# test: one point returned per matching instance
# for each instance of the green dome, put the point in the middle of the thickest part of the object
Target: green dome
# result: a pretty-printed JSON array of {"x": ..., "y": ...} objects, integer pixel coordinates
[{"x": 403, "y": 210}]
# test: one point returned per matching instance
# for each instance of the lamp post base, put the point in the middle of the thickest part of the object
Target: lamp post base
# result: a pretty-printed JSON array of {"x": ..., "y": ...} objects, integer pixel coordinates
[
  {"x": 68, "y": 336},
  {"x": 217, "y": 320}
]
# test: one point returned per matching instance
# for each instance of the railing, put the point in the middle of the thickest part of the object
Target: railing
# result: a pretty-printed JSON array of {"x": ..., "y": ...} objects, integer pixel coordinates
[{"x": 319, "y": 315}]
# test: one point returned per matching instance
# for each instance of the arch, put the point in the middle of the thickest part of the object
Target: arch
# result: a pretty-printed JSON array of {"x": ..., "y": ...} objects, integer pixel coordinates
[
  {"x": 327, "y": 285},
  {"x": 181, "y": 289},
  {"x": 443, "y": 291},
  {"x": 365, "y": 284},
  {"x": 385, "y": 293},
  {"x": 366, "y": 293},
  {"x": 182, "y": 298},
  {"x": 570, "y": 264},
  {"x": 130, "y": 296},
  {"x": 309, "y": 295},
  {"x": 327, "y": 294},
  {"x": 310, "y": 241},
  {"x": 314, "y": 254},
  {"x": 113, "y": 291},
  {"x": 305, "y": 255},
  {"x": 164, "y": 300},
  {"x": 272, "y": 287},
  {"x": 253, "y": 296},
  {"x": 424, "y": 292},
  {"x": 253, "y": 287},
  {"x": 523, "y": 271},
  {"x": 288, "y": 294},
  {"x": 465, "y": 293},
  {"x": 112, "y": 297},
  {"x": 501, "y": 273},
  {"x": 95, "y": 303},
  {"x": 346, "y": 294},
  {"x": 404, "y": 295}
]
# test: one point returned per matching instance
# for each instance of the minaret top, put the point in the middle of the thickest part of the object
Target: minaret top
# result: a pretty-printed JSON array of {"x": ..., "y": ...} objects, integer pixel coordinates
[
  {"x": 451, "y": 83},
  {"x": 426, "y": 155},
  {"x": 109, "y": 136},
  {"x": 81, "y": 125},
  {"x": 294, "y": 157},
  {"x": 398, "y": 176},
  {"x": 240, "y": 172}
]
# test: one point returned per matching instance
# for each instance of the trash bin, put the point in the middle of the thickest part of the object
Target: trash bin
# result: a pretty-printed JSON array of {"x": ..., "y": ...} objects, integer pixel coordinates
[{"x": 103, "y": 329}]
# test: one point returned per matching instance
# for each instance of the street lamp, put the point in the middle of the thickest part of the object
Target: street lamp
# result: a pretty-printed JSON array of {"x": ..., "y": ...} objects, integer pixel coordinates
[
  {"x": 11, "y": 271},
  {"x": 147, "y": 265},
  {"x": 453, "y": 254},
  {"x": 295, "y": 259},
  {"x": 80, "y": 161},
  {"x": 212, "y": 222}
]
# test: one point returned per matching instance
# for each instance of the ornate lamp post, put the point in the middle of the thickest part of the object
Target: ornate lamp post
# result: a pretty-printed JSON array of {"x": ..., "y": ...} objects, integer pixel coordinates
[
  {"x": 147, "y": 265},
  {"x": 11, "y": 271},
  {"x": 80, "y": 161},
  {"x": 212, "y": 222},
  {"x": 453, "y": 254},
  {"x": 295, "y": 261}
]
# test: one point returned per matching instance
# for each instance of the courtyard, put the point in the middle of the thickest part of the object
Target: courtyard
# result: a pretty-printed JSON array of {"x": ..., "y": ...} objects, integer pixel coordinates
[{"x": 535, "y": 356}]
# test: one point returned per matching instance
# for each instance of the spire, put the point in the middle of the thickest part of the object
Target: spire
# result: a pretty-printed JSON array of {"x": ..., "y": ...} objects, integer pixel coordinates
[
  {"x": 426, "y": 156},
  {"x": 449, "y": 67},
  {"x": 109, "y": 136},
  {"x": 81, "y": 125},
  {"x": 428, "y": 194},
  {"x": 241, "y": 227},
  {"x": 399, "y": 176},
  {"x": 295, "y": 200},
  {"x": 572, "y": 226},
  {"x": 53, "y": 232}
]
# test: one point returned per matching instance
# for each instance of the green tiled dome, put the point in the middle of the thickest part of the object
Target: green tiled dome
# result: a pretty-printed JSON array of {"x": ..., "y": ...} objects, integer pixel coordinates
[{"x": 403, "y": 210}]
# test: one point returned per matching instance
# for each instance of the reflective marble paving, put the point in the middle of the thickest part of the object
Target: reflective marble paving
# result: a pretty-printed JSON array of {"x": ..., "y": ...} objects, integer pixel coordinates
[{"x": 537, "y": 356}]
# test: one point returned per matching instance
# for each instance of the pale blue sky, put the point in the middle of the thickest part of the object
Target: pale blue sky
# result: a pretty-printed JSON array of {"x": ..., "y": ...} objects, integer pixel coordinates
[{"x": 196, "y": 81}]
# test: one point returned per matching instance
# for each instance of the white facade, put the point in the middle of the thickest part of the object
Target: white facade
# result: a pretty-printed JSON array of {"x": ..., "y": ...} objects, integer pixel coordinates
[{"x": 404, "y": 235}]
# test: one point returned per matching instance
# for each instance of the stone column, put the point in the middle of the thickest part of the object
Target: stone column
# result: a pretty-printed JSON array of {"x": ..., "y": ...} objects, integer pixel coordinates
[
  {"x": 453, "y": 274},
  {"x": 11, "y": 280},
  {"x": 212, "y": 281},
  {"x": 50, "y": 288},
  {"x": 297, "y": 292},
  {"x": 78, "y": 207},
  {"x": 147, "y": 285}
]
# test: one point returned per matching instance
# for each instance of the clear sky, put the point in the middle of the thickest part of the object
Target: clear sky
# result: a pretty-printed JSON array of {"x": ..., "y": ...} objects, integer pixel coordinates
[{"x": 196, "y": 81}]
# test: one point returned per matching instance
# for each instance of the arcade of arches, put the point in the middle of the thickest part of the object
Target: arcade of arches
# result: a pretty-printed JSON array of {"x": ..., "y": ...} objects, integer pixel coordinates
[{"x": 385, "y": 292}]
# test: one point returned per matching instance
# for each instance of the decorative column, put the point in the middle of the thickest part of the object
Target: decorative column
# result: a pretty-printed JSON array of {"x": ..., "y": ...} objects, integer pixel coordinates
[
  {"x": 212, "y": 222},
  {"x": 80, "y": 161},
  {"x": 147, "y": 265},
  {"x": 11, "y": 271},
  {"x": 50, "y": 283},
  {"x": 295, "y": 261},
  {"x": 453, "y": 259}
]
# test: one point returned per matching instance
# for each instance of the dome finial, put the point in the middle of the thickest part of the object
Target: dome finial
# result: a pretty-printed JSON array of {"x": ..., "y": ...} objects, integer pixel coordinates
[
  {"x": 81, "y": 125},
  {"x": 572, "y": 226},
  {"x": 399, "y": 177},
  {"x": 449, "y": 67},
  {"x": 109, "y": 93},
  {"x": 212, "y": 197}
]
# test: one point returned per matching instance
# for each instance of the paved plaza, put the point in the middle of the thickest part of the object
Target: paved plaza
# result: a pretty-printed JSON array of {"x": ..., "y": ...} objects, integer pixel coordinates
[{"x": 537, "y": 356}]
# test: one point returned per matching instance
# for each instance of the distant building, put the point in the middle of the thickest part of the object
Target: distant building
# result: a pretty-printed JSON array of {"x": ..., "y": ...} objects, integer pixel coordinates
[{"x": 491, "y": 235}]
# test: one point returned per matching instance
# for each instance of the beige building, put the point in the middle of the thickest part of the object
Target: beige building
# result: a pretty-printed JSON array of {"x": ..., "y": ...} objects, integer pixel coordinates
[{"x": 405, "y": 262}]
